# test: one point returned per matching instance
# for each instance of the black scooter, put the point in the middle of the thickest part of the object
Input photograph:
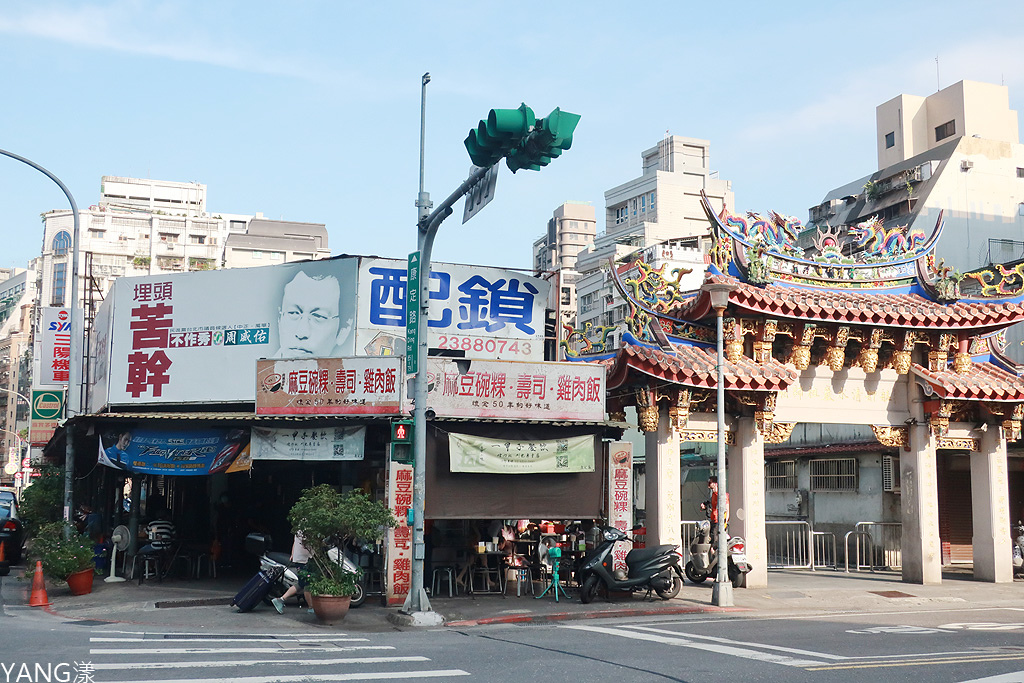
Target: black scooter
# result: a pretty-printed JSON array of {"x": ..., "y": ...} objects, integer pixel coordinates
[{"x": 652, "y": 569}]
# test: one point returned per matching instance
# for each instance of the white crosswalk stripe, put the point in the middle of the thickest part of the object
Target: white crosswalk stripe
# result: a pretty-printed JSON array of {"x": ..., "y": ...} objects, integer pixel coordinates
[{"x": 193, "y": 656}]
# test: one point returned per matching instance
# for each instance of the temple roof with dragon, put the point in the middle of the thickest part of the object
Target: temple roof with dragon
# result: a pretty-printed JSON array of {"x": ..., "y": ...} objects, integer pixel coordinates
[{"x": 856, "y": 296}]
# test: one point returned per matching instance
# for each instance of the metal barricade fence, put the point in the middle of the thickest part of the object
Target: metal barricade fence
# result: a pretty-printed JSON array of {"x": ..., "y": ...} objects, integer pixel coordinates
[
  {"x": 795, "y": 545},
  {"x": 878, "y": 545},
  {"x": 688, "y": 531}
]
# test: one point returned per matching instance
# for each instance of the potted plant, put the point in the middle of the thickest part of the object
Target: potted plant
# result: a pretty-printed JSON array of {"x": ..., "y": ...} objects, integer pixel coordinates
[
  {"x": 67, "y": 559},
  {"x": 329, "y": 520}
]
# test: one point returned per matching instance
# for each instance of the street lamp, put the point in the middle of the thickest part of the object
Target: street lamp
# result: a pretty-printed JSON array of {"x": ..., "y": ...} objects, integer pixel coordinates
[
  {"x": 73, "y": 404},
  {"x": 721, "y": 590}
]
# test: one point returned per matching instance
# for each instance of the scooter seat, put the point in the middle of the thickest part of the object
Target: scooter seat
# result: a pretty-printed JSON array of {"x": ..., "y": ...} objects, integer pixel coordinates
[
  {"x": 638, "y": 555},
  {"x": 280, "y": 558}
]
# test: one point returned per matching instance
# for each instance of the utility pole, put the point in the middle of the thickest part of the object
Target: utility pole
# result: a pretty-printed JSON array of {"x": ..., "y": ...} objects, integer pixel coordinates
[{"x": 524, "y": 142}]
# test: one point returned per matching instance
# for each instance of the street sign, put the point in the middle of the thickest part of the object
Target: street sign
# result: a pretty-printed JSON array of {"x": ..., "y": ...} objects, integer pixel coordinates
[
  {"x": 412, "y": 314},
  {"x": 480, "y": 194}
]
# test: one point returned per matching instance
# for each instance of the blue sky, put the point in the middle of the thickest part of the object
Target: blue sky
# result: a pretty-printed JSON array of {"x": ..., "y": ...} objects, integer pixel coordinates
[{"x": 309, "y": 110}]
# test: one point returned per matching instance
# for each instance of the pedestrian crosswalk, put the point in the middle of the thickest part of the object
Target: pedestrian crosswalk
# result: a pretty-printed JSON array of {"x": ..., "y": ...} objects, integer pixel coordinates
[{"x": 252, "y": 658}]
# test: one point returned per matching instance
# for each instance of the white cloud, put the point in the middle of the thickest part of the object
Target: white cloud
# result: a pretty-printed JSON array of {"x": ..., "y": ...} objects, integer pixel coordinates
[{"x": 148, "y": 28}]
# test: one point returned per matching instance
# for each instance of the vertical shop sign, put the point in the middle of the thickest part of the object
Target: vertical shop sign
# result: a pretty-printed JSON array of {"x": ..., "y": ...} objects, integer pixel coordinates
[
  {"x": 620, "y": 495},
  {"x": 151, "y": 321},
  {"x": 399, "y": 538},
  {"x": 55, "y": 365}
]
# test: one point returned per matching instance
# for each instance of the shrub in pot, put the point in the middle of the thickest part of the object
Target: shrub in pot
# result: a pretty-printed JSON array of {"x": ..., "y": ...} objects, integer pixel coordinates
[
  {"x": 327, "y": 519},
  {"x": 64, "y": 558}
]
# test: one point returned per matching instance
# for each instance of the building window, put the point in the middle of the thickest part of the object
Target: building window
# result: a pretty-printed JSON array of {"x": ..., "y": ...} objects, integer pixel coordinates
[
  {"x": 643, "y": 203},
  {"x": 276, "y": 256},
  {"x": 945, "y": 130},
  {"x": 169, "y": 237},
  {"x": 257, "y": 255},
  {"x": 621, "y": 215},
  {"x": 650, "y": 200},
  {"x": 97, "y": 234},
  {"x": 61, "y": 243},
  {"x": 59, "y": 282},
  {"x": 634, "y": 203},
  {"x": 780, "y": 475},
  {"x": 836, "y": 474},
  {"x": 197, "y": 239},
  {"x": 1020, "y": 172},
  {"x": 890, "y": 140}
]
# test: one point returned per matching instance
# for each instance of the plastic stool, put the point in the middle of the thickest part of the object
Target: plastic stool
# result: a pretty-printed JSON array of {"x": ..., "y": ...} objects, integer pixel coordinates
[
  {"x": 438, "y": 576},
  {"x": 521, "y": 574}
]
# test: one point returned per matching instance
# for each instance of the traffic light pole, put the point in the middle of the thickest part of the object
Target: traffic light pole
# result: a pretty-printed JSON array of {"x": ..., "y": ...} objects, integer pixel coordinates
[{"x": 417, "y": 600}]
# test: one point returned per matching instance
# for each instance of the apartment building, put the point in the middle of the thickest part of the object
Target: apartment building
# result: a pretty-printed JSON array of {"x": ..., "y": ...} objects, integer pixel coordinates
[
  {"x": 656, "y": 216},
  {"x": 571, "y": 229}
]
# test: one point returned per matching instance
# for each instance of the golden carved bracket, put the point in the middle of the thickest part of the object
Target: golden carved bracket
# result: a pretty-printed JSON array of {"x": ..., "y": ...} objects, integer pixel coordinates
[{"x": 891, "y": 436}]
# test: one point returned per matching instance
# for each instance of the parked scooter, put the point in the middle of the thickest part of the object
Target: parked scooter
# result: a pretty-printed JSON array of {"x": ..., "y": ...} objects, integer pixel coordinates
[
  {"x": 1018, "y": 549},
  {"x": 704, "y": 556},
  {"x": 651, "y": 569},
  {"x": 280, "y": 565}
]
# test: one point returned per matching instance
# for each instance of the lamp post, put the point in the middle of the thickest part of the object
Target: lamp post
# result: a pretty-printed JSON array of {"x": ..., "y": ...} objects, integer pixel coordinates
[
  {"x": 73, "y": 404},
  {"x": 721, "y": 590}
]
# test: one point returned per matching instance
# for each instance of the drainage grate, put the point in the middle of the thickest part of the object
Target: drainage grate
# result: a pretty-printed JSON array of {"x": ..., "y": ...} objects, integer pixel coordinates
[
  {"x": 893, "y": 594},
  {"x": 199, "y": 602},
  {"x": 88, "y": 622}
]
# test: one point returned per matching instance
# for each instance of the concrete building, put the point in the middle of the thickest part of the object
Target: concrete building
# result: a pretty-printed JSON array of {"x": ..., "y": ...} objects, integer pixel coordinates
[
  {"x": 571, "y": 229},
  {"x": 17, "y": 300},
  {"x": 660, "y": 208},
  {"x": 146, "y": 227},
  {"x": 958, "y": 152}
]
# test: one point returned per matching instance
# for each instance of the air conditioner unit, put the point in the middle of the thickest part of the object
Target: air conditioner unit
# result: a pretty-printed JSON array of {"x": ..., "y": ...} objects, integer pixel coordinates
[
  {"x": 966, "y": 165},
  {"x": 890, "y": 474}
]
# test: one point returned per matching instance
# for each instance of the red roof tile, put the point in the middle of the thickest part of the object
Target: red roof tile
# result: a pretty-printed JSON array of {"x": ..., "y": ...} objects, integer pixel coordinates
[
  {"x": 856, "y": 307},
  {"x": 985, "y": 381},
  {"x": 694, "y": 366}
]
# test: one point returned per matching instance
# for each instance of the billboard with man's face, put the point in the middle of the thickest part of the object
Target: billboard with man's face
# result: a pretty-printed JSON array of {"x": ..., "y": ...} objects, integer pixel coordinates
[{"x": 195, "y": 337}]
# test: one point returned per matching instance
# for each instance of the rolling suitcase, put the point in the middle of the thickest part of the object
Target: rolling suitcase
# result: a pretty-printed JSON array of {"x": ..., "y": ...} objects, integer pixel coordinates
[{"x": 253, "y": 592}]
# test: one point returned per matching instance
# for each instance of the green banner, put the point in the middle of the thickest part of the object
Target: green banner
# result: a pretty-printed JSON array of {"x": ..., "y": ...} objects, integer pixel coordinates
[{"x": 502, "y": 456}]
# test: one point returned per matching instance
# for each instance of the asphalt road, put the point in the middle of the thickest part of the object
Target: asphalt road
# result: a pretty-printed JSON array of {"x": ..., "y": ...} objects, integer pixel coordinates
[{"x": 943, "y": 643}]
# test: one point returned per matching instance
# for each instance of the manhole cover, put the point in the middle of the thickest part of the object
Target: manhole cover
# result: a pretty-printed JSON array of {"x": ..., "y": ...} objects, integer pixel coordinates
[{"x": 893, "y": 594}]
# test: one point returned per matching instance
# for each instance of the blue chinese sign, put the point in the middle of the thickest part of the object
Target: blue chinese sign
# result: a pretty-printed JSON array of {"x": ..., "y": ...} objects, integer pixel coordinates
[
  {"x": 171, "y": 451},
  {"x": 483, "y": 312}
]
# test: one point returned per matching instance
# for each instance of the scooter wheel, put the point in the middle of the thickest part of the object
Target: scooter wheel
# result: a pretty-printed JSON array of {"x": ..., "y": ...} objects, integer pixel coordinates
[
  {"x": 359, "y": 597},
  {"x": 694, "y": 574},
  {"x": 590, "y": 588},
  {"x": 672, "y": 591}
]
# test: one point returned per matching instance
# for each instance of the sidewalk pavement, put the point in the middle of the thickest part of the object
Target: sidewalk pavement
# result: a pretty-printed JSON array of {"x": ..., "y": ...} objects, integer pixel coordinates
[{"x": 193, "y": 604}]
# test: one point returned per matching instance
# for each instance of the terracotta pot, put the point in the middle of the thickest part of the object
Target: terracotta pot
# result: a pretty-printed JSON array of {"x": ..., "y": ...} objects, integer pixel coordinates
[
  {"x": 330, "y": 609},
  {"x": 80, "y": 582}
]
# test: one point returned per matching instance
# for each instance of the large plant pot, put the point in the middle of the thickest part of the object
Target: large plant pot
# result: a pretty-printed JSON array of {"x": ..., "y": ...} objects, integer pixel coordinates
[
  {"x": 80, "y": 582},
  {"x": 330, "y": 609}
]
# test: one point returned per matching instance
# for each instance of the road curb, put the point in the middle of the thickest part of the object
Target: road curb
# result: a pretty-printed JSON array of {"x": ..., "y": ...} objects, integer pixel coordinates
[{"x": 603, "y": 614}]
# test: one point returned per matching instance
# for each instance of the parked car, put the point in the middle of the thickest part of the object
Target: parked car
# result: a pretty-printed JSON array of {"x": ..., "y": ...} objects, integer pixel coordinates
[{"x": 12, "y": 530}]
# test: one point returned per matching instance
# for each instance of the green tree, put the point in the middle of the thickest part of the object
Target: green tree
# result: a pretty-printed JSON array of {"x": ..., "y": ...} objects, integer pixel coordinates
[{"x": 43, "y": 501}]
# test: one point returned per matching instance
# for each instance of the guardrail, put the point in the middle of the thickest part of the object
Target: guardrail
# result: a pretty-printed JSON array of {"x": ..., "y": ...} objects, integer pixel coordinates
[
  {"x": 795, "y": 545},
  {"x": 878, "y": 545}
]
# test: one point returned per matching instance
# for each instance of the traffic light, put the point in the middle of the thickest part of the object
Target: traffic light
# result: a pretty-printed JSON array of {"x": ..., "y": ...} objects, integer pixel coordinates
[
  {"x": 550, "y": 137},
  {"x": 401, "y": 431},
  {"x": 500, "y": 132}
]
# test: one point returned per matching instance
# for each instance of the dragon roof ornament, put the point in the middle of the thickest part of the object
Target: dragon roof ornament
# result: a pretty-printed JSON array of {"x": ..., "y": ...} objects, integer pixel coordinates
[{"x": 767, "y": 250}]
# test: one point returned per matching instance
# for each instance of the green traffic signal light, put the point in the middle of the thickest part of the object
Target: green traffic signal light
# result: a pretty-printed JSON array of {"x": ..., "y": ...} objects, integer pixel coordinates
[
  {"x": 494, "y": 137},
  {"x": 550, "y": 137}
]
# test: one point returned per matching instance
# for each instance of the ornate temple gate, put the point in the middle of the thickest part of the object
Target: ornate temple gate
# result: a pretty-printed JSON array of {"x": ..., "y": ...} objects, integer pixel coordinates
[{"x": 881, "y": 340}]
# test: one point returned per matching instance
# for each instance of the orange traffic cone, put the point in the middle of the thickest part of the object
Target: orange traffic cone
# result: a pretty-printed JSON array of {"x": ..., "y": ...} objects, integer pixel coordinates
[{"x": 38, "y": 597}]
